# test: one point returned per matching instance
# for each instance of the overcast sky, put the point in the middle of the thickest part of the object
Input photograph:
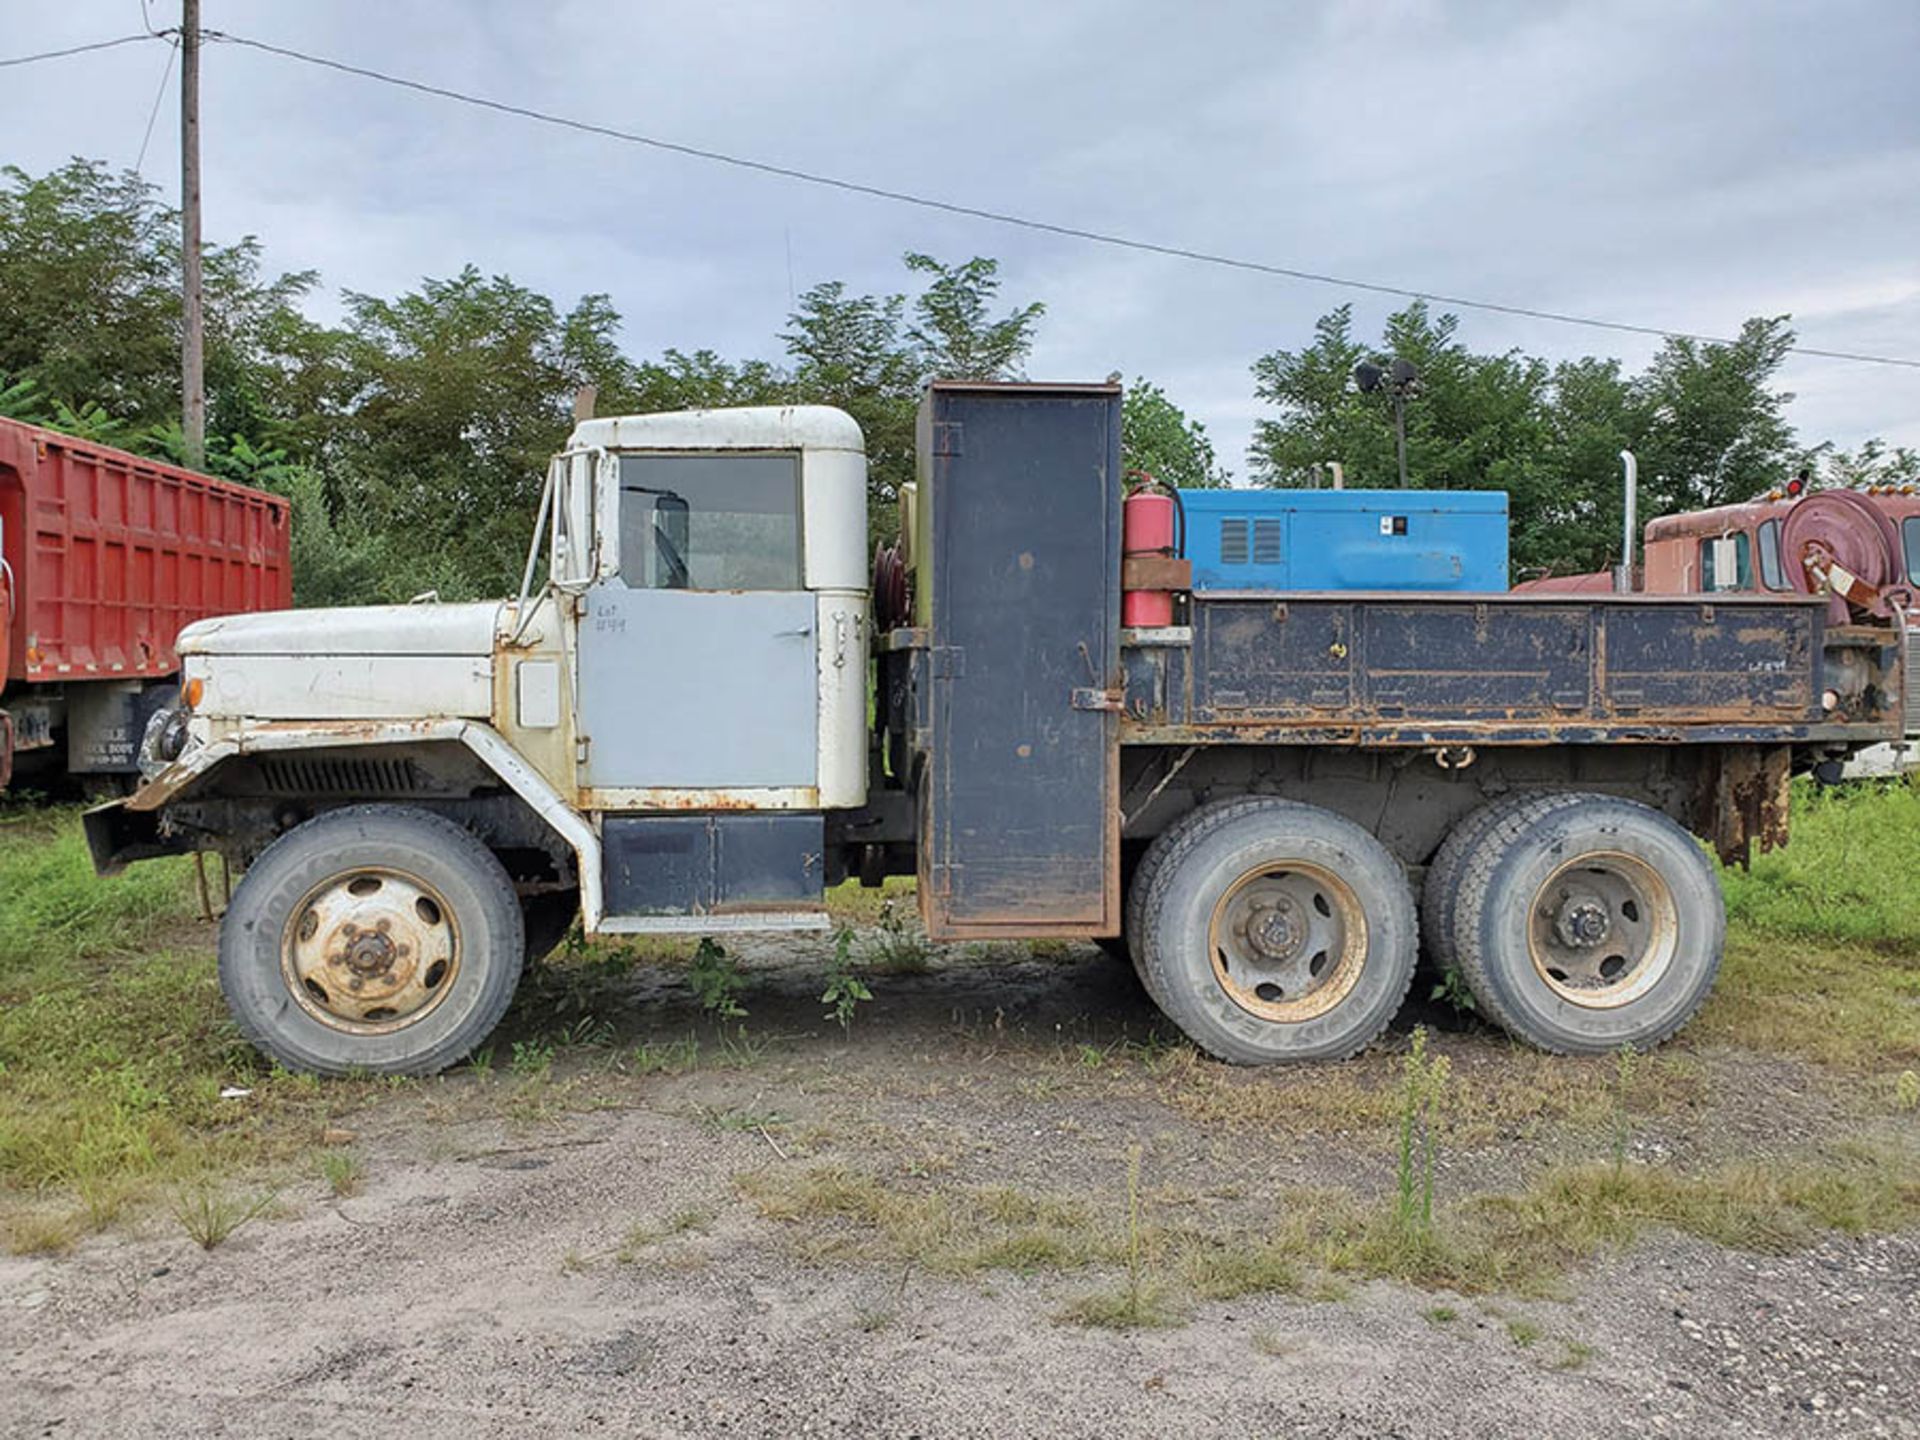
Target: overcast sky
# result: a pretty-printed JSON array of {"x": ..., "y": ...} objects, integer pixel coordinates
[{"x": 1678, "y": 164}]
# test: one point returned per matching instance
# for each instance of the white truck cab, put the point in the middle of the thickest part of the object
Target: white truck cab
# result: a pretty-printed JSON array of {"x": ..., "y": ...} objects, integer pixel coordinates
[
  {"x": 651, "y": 739},
  {"x": 682, "y": 538}
]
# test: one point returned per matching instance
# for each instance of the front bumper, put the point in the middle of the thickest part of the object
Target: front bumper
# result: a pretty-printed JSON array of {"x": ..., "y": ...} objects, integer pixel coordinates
[{"x": 117, "y": 836}]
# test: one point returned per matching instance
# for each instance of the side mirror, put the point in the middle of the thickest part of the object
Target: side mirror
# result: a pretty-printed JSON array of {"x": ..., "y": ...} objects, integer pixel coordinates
[{"x": 670, "y": 539}]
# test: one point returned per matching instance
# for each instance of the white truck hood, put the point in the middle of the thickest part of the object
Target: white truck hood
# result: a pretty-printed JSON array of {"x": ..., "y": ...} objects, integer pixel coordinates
[
  {"x": 371, "y": 662},
  {"x": 350, "y": 630}
]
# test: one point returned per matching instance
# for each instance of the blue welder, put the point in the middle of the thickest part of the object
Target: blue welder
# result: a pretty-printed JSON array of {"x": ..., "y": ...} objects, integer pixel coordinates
[{"x": 1347, "y": 539}]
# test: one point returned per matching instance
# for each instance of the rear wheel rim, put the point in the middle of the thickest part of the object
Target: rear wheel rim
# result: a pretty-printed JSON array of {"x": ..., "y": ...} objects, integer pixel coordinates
[
  {"x": 371, "y": 951},
  {"x": 1603, "y": 930},
  {"x": 1288, "y": 941}
]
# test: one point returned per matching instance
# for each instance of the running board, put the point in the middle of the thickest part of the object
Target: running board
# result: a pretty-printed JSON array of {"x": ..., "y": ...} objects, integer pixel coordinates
[{"x": 784, "y": 921}]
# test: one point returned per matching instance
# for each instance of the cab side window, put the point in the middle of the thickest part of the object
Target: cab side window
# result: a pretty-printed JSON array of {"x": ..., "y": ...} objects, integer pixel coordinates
[
  {"x": 710, "y": 522},
  {"x": 1771, "y": 574},
  {"x": 1726, "y": 562}
]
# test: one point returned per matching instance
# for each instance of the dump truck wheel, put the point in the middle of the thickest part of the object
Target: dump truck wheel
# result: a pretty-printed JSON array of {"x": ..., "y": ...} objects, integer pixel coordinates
[
  {"x": 377, "y": 939},
  {"x": 1587, "y": 922},
  {"x": 1440, "y": 893},
  {"x": 1270, "y": 931}
]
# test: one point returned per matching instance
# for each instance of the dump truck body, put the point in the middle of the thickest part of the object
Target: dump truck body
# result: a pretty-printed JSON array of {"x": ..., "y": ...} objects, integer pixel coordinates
[{"x": 107, "y": 556}]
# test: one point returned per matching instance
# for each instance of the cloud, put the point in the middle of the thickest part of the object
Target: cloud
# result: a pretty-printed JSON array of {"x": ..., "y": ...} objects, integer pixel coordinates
[{"x": 1680, "y": 165}]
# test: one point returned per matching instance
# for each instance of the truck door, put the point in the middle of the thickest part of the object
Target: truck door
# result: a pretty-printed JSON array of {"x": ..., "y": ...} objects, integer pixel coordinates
[{"x": 697, "y": 661}]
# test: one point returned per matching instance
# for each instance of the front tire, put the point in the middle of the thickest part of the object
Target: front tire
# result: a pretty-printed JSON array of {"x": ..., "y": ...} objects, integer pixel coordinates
[
  {"x": 1587, "y": 922},
  {"x": 376, "y": 939},
  {"x": 1272, "y": 931}
]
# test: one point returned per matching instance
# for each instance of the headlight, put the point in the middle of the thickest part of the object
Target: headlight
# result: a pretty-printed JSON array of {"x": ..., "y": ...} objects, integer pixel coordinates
[{"x": 166, "y": 737}]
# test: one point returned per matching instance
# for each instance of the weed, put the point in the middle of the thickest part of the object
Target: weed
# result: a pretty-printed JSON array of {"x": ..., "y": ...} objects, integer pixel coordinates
[
  {"x": 532, "y": 1059},
  {"x": 1574, "y": 1355},
  {"x": 210, "y": 1216},
  {"x": 1622, "y": 1126},
  {"x": 1092, "y": 1057},
  {"x": 738, "y": 1049},
  {"x": 1141, "y": 1303},
  {"x": 874, "y": 1318},
  {"x": 586, "y": 1033},
  {"x": 1272, "y": 1342},
  {"x": 481, "y": 1060},
  {"x": 844, "y": 989},
  {"x": 1906, "y": 1091},
  {"x": 342, "y": 1171},
  {"x": 1423, "y": 1084},
  {"x": 670, "y": 1057},
  {"x": 1441, "y": 1315},
  {"x": 715, "y": 981},
  {"x": 740, "y": 1119},
  {"x": 1523, "y": 1332},
  {"x": 1120, "y": 1310},
  {"x": 39, "y": 1232},
  {"x": 1451, "y": 989},
  {"x": 574, "y": 1263},
  {"x": 897, "y": 945}
]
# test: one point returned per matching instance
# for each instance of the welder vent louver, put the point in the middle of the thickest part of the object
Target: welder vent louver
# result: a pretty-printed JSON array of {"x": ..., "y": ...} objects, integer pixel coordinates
[
  {"x": 1266, "y": 541},
  {"x": 291, "y": 775},
  {"x": 1233, "y": 542}
]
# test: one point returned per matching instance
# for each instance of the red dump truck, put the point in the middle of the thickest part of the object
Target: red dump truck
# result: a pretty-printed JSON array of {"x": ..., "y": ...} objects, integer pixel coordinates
[{"x": 104, "y": 556}]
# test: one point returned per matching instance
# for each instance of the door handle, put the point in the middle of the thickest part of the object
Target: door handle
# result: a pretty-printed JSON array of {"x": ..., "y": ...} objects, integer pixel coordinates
[{"x": 799, "y": 634}]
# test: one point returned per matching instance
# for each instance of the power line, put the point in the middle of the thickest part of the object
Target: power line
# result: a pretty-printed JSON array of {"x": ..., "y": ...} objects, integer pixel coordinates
[
  {"x": 997, "y": 217},
  {"x": 1023, "y": 222},
  {"x": 166, "y": 74},
  {"x": 74, "y": 50}
]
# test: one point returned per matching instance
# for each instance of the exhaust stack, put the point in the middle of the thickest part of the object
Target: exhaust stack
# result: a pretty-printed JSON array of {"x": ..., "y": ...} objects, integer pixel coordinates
[{"x": 1623, "y": 572}]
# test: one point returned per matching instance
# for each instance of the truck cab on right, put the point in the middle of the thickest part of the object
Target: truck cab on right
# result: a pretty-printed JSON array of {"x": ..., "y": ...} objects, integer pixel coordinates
[{"x": 1859, "y": 550}]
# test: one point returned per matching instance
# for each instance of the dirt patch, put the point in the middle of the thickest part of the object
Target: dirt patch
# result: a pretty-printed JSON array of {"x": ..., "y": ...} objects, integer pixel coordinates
[{"x": 611, "y": 1229}]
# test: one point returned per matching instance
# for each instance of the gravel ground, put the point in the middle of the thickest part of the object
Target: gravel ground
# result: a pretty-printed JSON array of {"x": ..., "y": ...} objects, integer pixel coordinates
[{"x": 475, "y": 1287}]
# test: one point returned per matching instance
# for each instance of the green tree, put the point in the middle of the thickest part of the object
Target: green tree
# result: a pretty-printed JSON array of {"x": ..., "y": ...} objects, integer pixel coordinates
[
  {"x": 863, "y": 354},
  {"x": 461, "y": 391},
  {"x": 1703, "y": 419},
  {"x": 1873, "y": 463},
  {"x": 90, "y": 287},
  {"x": 1157, "y": 437},
  {"x": 953, "y": 329}
]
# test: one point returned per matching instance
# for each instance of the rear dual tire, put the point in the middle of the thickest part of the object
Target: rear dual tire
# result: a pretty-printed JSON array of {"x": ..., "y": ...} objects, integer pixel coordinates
[
  {"x": 1585, "y": 923},
  {"x": 1272, "y": 931}
]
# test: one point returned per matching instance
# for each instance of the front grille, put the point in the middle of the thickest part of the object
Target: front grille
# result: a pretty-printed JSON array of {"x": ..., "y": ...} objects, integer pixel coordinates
[
  {"x": 360, "y": 775},
  {"x": 1913, "y": 682}
]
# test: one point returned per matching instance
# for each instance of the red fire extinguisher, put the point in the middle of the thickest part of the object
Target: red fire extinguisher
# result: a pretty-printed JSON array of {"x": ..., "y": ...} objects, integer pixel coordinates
[{"x": 1152, "y": 523}]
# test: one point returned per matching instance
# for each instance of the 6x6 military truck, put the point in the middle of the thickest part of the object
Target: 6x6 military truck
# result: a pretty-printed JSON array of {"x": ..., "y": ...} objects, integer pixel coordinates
[{"x": 672, "y": 733}]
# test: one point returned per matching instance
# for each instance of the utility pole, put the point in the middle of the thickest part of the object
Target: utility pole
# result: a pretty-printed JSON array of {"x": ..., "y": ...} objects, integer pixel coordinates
[{"x": 193, "y": 392}]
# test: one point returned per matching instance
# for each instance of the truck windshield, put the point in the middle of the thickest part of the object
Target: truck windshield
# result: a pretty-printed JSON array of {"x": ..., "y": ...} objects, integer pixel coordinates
[
  {"x": 1910, "y": 537},
  {"x": 710, "y": 522}
]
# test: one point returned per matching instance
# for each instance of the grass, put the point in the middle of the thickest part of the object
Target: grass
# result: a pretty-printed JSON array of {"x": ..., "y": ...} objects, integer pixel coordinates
[
  {"x": 1522, "y": 1242},
  {"x": 210, "y": 1215},
  {"x": 115, "y": 1046},
  {"x": 1849, "y": 877},
  {"x": 343, "y": 1172},
  {"x": 644, "y": 1236}
]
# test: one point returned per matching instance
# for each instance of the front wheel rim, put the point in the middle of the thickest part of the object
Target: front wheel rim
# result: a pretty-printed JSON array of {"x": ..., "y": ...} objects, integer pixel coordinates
[
  {"x": 371, "y": 951},
  {"x": 1603, "y": 930},
  {"x": 1288, "y": 941}
]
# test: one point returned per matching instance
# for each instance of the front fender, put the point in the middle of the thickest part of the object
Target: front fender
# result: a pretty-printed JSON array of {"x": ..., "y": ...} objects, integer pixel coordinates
[{"x": 128, "y": 830}]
